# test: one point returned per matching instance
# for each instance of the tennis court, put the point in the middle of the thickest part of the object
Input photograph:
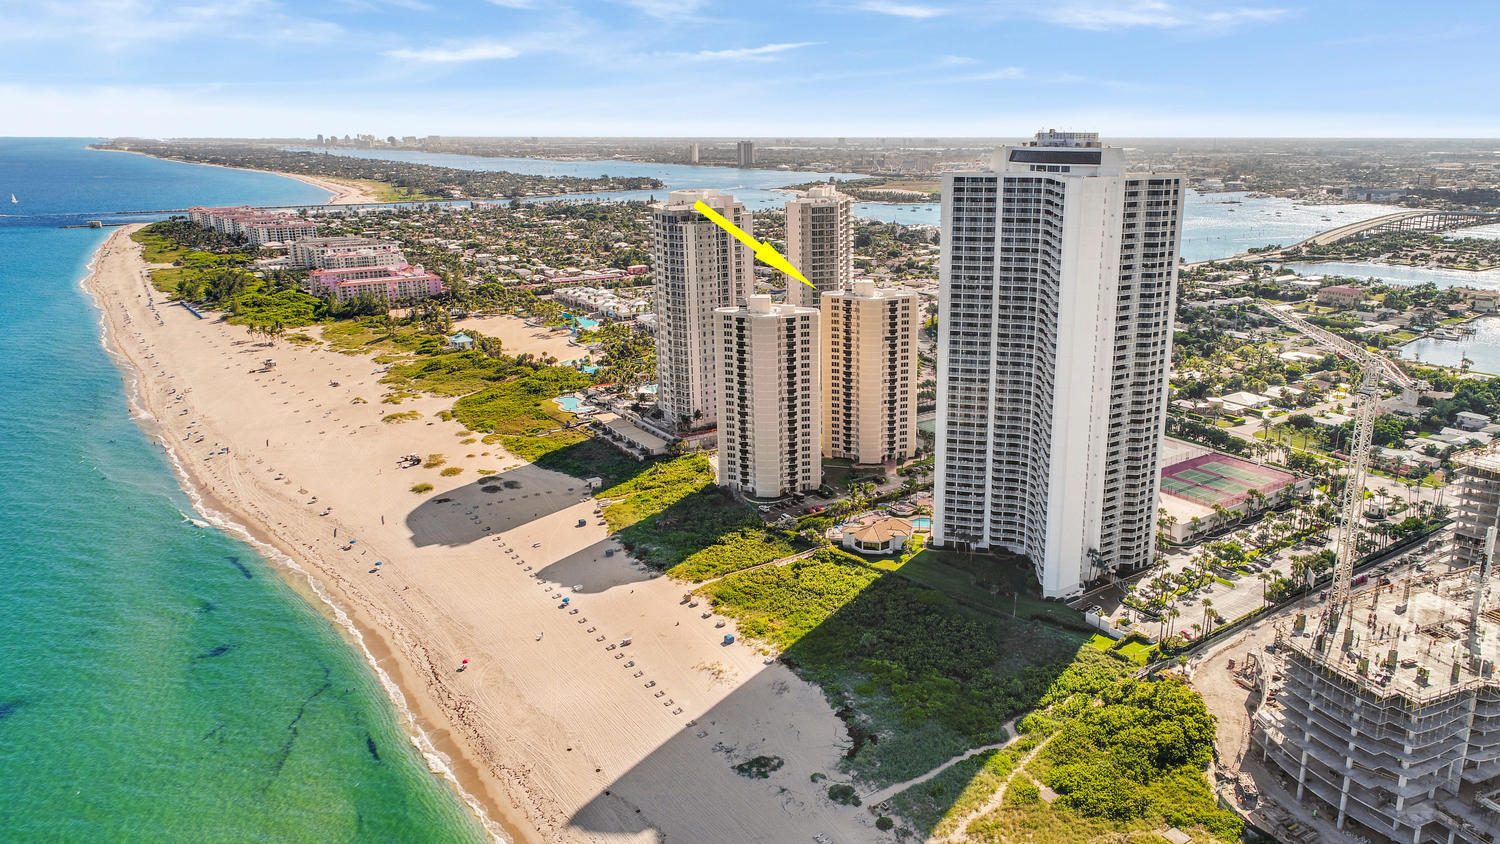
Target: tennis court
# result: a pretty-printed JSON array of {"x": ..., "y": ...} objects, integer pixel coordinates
[{"x": 1211, "y": 479}]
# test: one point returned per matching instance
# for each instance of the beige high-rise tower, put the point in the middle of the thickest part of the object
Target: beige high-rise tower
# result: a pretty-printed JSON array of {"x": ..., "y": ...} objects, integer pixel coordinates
[
  {"x": 869, "y": 363},
  {"x": 697, "y": 267},
  {"x": 769, "y": 398},
  {"x": 820, "y": 243}
]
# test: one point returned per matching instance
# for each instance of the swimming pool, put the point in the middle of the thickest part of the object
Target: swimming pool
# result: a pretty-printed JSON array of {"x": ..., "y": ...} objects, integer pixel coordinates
[
  {"x": 589, "y": 369},
  {"x": 922, "y": 523},
  {"x": 573, "y": 404}
]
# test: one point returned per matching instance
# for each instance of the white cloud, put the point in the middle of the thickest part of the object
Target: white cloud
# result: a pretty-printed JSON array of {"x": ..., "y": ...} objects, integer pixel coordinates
[
  {"x": 379, "y": 5},
  {"x": 120, "y": 25},
  {"x": 514, "y": 4},
  {"x": 761, "y": 53},
  {"x": 903, "y": 10},
  {"x": 1152, "y": 13},
  {"x": 1000, "y": 73},
  {"x": 477, "y": 51},
  {"x": 211, "y": 111},
  {"x": 667, "y": 9}
]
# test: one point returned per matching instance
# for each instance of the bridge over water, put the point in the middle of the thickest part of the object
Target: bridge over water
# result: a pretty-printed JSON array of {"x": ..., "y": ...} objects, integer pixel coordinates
[
  {"x": 1424, "y": 221},
  {"x": 1402, "y": 221}
]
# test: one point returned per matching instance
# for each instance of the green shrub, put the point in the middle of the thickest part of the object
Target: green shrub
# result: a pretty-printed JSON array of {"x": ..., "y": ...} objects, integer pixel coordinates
[
  {"x": 521, "y": 405},
  {"x": 451, "y": 471},
  {"x": 760, "y": 767},
  {"x": 884, "y": 824},
  {"x": 1022, "y": 791},
  {"x": 422, "y": 488},
  {"x": 843, "y": 794}
]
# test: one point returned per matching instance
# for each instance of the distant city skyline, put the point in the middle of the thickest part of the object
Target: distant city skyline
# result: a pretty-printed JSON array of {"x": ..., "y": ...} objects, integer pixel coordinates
[{"x": 900, "y": 68}]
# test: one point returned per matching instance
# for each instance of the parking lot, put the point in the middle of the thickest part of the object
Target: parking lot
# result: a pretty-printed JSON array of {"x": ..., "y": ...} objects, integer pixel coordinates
[{"x": 1242, "y": 594}]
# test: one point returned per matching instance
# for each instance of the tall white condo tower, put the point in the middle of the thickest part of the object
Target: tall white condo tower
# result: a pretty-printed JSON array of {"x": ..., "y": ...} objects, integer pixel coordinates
[{"x": 1059, "y": 271}]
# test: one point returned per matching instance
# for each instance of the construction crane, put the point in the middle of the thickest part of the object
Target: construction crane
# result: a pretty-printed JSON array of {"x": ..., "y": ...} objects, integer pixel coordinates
[{"x": 1373, "y": 369}]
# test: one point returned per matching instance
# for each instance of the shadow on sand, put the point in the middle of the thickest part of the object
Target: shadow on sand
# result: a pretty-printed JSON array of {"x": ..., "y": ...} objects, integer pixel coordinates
[
  {"x": 595, "y": 572},
  {"x": 951, "y": 675},
  {"x": 491, "y": 505}
]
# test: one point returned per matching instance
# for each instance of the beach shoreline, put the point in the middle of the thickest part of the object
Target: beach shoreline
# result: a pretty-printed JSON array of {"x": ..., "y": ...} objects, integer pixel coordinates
[
  {"x": 444, "y": 755},
  {"x": 521, "y": 733},
  {"x": 339, "y": 192}
]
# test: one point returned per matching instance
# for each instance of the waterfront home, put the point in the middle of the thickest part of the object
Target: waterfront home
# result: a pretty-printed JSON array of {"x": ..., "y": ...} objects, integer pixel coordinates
[
  {"x": 461, "y": 341},
  {"x": 1341, "y": 296}
]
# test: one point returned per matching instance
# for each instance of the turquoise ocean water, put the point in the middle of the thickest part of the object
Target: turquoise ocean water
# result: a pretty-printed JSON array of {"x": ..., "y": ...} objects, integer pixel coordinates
[{"x": 158, "y": 680}]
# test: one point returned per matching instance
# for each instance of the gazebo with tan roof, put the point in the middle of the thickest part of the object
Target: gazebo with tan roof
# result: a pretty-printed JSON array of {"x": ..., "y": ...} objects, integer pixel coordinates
[{"x": 881, "y": 535}]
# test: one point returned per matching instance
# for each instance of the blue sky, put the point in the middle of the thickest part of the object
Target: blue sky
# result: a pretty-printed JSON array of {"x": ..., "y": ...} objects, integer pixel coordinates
[{"x": 754, "y": 69}]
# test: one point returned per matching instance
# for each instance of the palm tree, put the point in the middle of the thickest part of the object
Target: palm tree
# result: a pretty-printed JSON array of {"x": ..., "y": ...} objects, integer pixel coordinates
[
  {"x": 1265, "y": 578},
  {"x": 1164, "y": 525},
  {"x": 1300, "y": 568},
  {"x": 1208, "y": 604},
  {"x": 1257, "y": 500}
]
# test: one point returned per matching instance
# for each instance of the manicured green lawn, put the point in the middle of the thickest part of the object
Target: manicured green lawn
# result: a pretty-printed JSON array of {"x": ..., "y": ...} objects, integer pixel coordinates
[{"x": 1138, "y": 652}]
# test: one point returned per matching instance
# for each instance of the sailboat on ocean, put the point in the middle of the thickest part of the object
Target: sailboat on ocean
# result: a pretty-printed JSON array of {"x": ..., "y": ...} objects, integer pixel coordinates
[{"x": 13, "y": 199}]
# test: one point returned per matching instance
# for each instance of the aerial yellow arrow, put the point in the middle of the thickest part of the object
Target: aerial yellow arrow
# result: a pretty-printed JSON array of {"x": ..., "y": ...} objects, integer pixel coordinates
[{"x": 762, "y": 251}]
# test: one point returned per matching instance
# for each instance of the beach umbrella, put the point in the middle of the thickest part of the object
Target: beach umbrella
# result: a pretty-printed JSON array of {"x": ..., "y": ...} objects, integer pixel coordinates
[
  {"x": 466, "y": 662},
  {"x": 379, "y": 563},
  {"x": 352, "y": 541}
]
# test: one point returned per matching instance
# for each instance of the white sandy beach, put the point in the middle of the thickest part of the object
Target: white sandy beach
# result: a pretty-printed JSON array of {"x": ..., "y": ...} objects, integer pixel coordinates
[
  {"x": 557, "y": 736},
  {"x": 339, "y": 192}
]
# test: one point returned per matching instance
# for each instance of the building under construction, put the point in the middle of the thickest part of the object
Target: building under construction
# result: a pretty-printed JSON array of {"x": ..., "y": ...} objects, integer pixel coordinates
[
  {"x": 1391, "y": 717},
  {"x": 1478, "y": 505}
]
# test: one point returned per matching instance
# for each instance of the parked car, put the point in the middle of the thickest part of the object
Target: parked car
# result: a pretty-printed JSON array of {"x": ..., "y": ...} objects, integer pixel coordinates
[{"x": 816, "y": 508}]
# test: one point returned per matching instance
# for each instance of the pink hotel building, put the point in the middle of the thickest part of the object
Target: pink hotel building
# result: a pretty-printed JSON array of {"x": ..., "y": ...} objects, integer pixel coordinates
[
  {"x": 394, "y": 284},
  {"x": 347, "y": 267}
]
